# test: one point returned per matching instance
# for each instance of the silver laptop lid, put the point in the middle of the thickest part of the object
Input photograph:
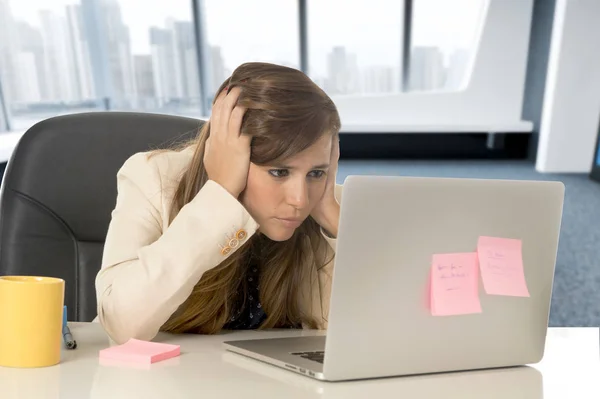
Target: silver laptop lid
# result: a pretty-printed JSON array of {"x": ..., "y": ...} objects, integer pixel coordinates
[{"x": 380, "y": 322}]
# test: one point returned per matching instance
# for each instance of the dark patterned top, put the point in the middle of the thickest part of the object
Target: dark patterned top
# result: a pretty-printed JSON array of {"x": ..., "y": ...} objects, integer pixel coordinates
[{"x": 249, "y": 315}]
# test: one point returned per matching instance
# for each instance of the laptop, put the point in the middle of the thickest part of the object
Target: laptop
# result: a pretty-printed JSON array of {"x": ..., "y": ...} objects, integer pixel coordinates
[{"x": 381, "y": 322}]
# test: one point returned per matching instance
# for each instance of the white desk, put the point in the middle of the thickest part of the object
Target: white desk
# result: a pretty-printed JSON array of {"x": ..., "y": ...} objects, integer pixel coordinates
[{"x": 570, "y": 369}]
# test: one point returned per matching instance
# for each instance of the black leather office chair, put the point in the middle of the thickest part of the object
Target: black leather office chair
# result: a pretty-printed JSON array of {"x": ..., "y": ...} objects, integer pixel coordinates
[{"x": 59, "y": 189}]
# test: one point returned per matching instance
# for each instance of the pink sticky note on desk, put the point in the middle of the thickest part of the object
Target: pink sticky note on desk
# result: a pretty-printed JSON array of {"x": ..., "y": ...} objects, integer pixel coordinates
[
  {"x": 454, "y": 284},
  {"x": 501, "y": 264},
  {"x": 137, "y": 351}
]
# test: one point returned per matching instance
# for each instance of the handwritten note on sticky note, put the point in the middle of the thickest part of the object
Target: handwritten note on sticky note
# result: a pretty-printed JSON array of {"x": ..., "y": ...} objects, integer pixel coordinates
[
  {"x": 454, "y": 284},
  {"x": 137, "y": 351},
  {"x": 501, "y": 264}
]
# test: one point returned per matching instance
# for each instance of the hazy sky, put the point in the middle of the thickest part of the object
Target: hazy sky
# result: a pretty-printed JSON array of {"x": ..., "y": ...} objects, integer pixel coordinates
[{"x": 268, "y": 29}]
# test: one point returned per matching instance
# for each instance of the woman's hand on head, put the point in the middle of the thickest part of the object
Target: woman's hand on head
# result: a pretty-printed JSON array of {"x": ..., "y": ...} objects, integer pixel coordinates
[
  {"x": 327, "y": 212},
  {"x": 227, "y": 151}
]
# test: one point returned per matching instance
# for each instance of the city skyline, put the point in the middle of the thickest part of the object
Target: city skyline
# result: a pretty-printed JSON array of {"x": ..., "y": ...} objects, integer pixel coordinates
[
  {"x": 52, "y": 61},
  {"x": 440, "y": 23}
]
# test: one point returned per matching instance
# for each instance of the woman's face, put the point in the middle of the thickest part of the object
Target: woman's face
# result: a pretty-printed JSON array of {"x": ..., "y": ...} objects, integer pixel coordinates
[{"x": 281, "y": 196}]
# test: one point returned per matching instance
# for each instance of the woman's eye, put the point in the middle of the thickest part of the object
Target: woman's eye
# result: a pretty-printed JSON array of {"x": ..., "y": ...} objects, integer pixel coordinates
[
  {"x": 279, "y": 172},
  {"x": 317, "y": 174}
]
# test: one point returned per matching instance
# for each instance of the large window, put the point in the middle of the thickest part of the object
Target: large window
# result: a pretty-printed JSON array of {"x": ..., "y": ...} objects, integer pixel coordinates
[
  {"x": 240, "y": 31},
  {"x": 40, "y": 75},
  {"x": 443, "y": 39},
  {"x": 65, "y": 56},
  {"x": 355, "y": 47}
]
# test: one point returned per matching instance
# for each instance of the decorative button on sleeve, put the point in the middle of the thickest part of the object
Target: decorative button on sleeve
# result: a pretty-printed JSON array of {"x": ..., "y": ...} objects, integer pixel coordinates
[{"x": 234, "y": 242}]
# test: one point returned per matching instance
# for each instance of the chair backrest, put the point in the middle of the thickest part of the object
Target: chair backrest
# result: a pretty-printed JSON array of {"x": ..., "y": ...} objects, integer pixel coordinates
[{"x": 59, "y": 190}]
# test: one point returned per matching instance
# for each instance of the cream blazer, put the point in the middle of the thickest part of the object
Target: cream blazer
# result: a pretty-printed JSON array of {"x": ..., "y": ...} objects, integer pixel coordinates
[{"x": 150, "y": 265}]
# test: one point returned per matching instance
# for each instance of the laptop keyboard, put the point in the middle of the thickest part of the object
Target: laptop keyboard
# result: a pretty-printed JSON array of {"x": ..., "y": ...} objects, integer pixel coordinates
[{"x": 316, "y": 356}]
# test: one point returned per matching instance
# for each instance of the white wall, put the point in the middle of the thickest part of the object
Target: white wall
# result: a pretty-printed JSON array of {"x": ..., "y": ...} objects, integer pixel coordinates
[
  {"x": 572, "y": 99},
  {"x": 493, "y": 96},
  {"x": 8, "y": 142}
]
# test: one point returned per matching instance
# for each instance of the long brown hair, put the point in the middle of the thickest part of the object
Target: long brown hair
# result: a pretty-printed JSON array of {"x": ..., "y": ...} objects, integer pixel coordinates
[{"x": 286, "y": 113}]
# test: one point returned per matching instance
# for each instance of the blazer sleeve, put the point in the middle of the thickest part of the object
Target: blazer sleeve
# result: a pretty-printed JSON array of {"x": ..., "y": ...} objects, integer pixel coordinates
[{"x": 148, "y": 270}]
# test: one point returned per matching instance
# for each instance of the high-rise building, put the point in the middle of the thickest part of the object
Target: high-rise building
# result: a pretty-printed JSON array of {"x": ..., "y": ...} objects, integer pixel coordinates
[
  {"x": 144, "y": 81},
  {"x": 427, "y": 71},
  {"x": 165, "y": 73},
  {"x": 119, "y": 47},
  {"x": 8, "y": 52},
  {"x": 187, "y": 61},
  {"x": 342, "y": 72},
  {"x": 457, "y": 69},
  {"x": 80, "y": 54},
  {"x": 28, "y": 87},
  {"x": 174, "y": 61},
  {"x": 218, "y": 68},
  {"x": 379, "y": 79},
  {"x": 59, "y": 84},
  {"x": 144, "y": 75},
  {"x": 51, "y": 64},
  {"x": 31, "y": 44},
  {"x": 110, "y": 51}
]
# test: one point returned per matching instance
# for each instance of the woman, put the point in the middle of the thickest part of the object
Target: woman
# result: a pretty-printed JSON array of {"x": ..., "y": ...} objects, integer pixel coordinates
[{"x": 237, "y": 229}]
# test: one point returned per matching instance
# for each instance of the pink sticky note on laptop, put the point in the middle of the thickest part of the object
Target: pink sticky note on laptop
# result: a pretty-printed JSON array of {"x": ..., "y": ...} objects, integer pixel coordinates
[
  {"x": 454, "y": 284},
  {"x": 501, "y": 264},
  {"x": 138, "y": 351}
]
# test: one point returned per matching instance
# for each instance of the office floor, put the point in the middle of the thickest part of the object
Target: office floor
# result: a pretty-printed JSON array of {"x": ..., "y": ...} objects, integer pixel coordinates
[{"x": 576, "y": 294}]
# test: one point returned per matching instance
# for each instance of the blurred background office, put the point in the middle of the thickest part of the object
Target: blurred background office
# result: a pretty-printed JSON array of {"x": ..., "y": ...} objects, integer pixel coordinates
[{"x": 466, "y": 88}]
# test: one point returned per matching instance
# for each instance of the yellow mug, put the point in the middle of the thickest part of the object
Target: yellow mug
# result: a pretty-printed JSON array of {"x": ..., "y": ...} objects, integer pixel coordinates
[{"x": 31, "y": 311}]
